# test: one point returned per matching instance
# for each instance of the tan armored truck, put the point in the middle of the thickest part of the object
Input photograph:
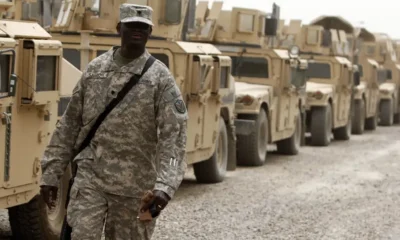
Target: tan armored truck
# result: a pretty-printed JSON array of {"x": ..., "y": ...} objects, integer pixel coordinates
[
  {"x": 201, "y": 71},
  {"x": 384, "y": 53},
  {"x": 268, "y": 81},
  {"x": 31, "y": 65},
  {"x": 366, "y": 94},
  {"x": 330, "y": 80}
]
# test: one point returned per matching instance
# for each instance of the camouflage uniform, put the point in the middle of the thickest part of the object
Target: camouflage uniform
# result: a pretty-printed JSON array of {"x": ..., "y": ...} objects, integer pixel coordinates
[{"x": 121, "y": 163}]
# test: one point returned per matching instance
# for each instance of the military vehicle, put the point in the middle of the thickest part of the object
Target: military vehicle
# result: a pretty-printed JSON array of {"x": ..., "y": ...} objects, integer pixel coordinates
[
  {"x": 384, "y": 53},
  {"x": 330, "y": 79},
  {"x": 31, "y": 65},
  {"x": 366, "y": 95},
  {"x": 268, "y": 81}
]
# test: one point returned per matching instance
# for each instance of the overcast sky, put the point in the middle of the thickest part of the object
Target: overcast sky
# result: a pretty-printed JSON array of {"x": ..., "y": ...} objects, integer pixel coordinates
[{"x": 377, "y": 16}]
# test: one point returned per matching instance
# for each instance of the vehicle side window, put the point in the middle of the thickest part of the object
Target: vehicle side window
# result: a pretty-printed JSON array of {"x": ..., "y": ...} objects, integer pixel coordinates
[{"x": 5, "y": 72}]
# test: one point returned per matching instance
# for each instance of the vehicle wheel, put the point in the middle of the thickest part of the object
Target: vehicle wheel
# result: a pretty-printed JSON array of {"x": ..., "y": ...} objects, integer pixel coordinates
[
  {"x": 252, "y": 149},
  {"x": 303, "y": 128},
  {"x": 214, "y": 169},
  {"x": 34, "y": 220},
  {"x": 321, "y": 125},
  {"x": 386, "y": 112},
  {"x": 358, "y": 119},
  {"x": 291, "y": 146},
  {"x": 343, "y": 133},
  {"x": 396, "y": 118},
  {"x": 372, "y": 122}
]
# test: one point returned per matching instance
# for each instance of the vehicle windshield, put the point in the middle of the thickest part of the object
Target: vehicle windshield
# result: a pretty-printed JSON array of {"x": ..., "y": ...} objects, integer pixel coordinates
[
  {"x": 318, "y": 70},
  {"x": 252, "y": 67}
]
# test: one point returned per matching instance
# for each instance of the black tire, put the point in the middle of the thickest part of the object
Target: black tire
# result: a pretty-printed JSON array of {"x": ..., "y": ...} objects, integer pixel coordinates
[
  {"x": 372, "y": 122},
  {"x": 291, "y": 146},
  {"x": 34, "y": 221},
  {"x": 303, "y": 128},
  {"x": 321, "y": 125},
  {"x": 343, "y": 133},
  {"x": 386, "y": 112},
  {"x": 396, "y": 118},
  {"x": 252, "y": 149},
  {"x": 358, "y": 119},
  {"x": 29, "y": 221},
  {"x": 214, "y": 169}
]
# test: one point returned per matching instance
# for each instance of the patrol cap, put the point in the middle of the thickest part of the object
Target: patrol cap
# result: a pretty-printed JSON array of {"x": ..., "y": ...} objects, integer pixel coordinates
[{"x": 135, "y": 13}]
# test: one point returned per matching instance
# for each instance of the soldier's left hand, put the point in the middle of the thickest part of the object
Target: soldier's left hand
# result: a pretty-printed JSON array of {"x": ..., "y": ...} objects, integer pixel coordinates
[{"x": 160, "y": 199}]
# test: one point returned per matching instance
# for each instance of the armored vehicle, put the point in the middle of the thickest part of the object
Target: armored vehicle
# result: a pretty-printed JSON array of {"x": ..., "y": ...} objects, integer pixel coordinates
[
  {"x": 330, "y": 80},
  {"x": 268, "y": 81},
  {"x": 31, "y": 65},
  {"x": 384, "y": 53},
  {"x": 366, "y": 94}
]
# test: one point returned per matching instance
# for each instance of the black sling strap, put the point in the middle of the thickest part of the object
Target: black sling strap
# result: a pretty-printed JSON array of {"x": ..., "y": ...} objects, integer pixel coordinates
[
  {"x": 128, "y": 86},
  {"x": 66, "y": 229}
]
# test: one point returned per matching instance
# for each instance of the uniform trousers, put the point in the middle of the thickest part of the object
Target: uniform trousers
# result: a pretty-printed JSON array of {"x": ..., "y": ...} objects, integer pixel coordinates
[{"x": 90, "y": 209}]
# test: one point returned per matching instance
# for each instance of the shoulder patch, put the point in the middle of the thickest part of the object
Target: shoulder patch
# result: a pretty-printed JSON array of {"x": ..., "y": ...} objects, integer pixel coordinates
[{"x": 180, "y": 106}]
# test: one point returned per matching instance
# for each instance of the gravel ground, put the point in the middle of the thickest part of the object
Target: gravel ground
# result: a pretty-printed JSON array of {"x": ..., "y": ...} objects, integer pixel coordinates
[{"x": 349, "y": 190}]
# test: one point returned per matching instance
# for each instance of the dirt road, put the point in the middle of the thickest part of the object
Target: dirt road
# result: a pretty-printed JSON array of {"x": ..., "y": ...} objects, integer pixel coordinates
[{"x": 349, "y": 190}]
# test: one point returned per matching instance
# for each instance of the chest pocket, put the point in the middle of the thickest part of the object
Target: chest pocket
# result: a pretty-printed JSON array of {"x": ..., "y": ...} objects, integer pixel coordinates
[
  {"x": 94, "y": 98},
  {"x": 139, "y": 103}
]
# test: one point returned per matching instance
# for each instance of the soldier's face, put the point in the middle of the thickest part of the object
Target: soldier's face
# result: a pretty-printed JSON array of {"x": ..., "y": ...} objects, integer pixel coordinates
[{"x": 135, "y": 33}]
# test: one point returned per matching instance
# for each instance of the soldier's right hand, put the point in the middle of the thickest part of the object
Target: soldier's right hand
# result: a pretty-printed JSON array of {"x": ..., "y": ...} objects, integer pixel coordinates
[{"x": 49, "y": 195}]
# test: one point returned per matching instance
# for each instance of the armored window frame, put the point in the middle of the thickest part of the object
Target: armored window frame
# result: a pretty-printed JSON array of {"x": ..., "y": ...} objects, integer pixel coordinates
[
  {"x": 5, "y": 72},
  {"x": 224, "y": 77},
  {"x": 173, "y": 11},
  {"x": 46, "y": 72},
  {"x": 243, "y": 20},
  {"x": 381, "y": 75}
]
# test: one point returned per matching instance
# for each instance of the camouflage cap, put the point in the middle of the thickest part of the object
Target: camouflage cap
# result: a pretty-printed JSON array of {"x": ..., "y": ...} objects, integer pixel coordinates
[{"x": 135, "y": 13}]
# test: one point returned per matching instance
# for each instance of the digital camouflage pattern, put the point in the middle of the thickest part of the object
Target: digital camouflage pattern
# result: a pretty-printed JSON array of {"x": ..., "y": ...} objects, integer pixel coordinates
[
  {"x": 121, "y": 158},
  {"x": 135, "y": 13},
  {"x": 89, "y": 206}
]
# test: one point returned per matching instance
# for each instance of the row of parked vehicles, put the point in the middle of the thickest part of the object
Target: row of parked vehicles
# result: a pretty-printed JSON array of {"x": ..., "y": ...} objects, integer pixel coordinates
[{"x": 249, "y": 81}]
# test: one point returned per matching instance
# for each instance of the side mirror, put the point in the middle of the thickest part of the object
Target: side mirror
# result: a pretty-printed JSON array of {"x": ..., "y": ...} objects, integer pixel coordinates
[
  {"x": 356, "y": 78},
  {"x": 388, "y": 75},
  {"x": 271, "y": 26}
]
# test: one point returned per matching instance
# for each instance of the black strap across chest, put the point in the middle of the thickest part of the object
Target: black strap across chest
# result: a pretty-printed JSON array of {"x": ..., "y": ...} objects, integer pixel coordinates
[{"x": 121, "y": 94}]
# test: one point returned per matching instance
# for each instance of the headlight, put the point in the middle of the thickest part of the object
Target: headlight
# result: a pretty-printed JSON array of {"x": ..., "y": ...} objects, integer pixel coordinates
[
  {"x": 294, "y": 51},
  {"x": 245, "y": 100},
  {"x": 384, "y": 91}
]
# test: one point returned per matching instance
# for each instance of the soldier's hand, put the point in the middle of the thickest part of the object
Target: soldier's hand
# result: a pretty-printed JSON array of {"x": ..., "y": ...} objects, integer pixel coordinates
[
  {"x": 159, "y": 198},
  {"x": 49, "y": 195}
]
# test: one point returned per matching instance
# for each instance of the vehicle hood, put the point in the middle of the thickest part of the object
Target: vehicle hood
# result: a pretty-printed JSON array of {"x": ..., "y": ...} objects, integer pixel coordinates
[
  {"x": 254, "y": 90},
  {"x": 322, "y": 87}
]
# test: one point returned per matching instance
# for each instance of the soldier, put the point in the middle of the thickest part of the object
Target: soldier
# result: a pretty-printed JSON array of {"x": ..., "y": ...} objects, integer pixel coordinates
[{"x": 121, "y": 163}]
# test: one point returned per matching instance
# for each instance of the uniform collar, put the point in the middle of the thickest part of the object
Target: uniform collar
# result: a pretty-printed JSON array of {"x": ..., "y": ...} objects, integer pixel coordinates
[{"x": 135, "y": 67}]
